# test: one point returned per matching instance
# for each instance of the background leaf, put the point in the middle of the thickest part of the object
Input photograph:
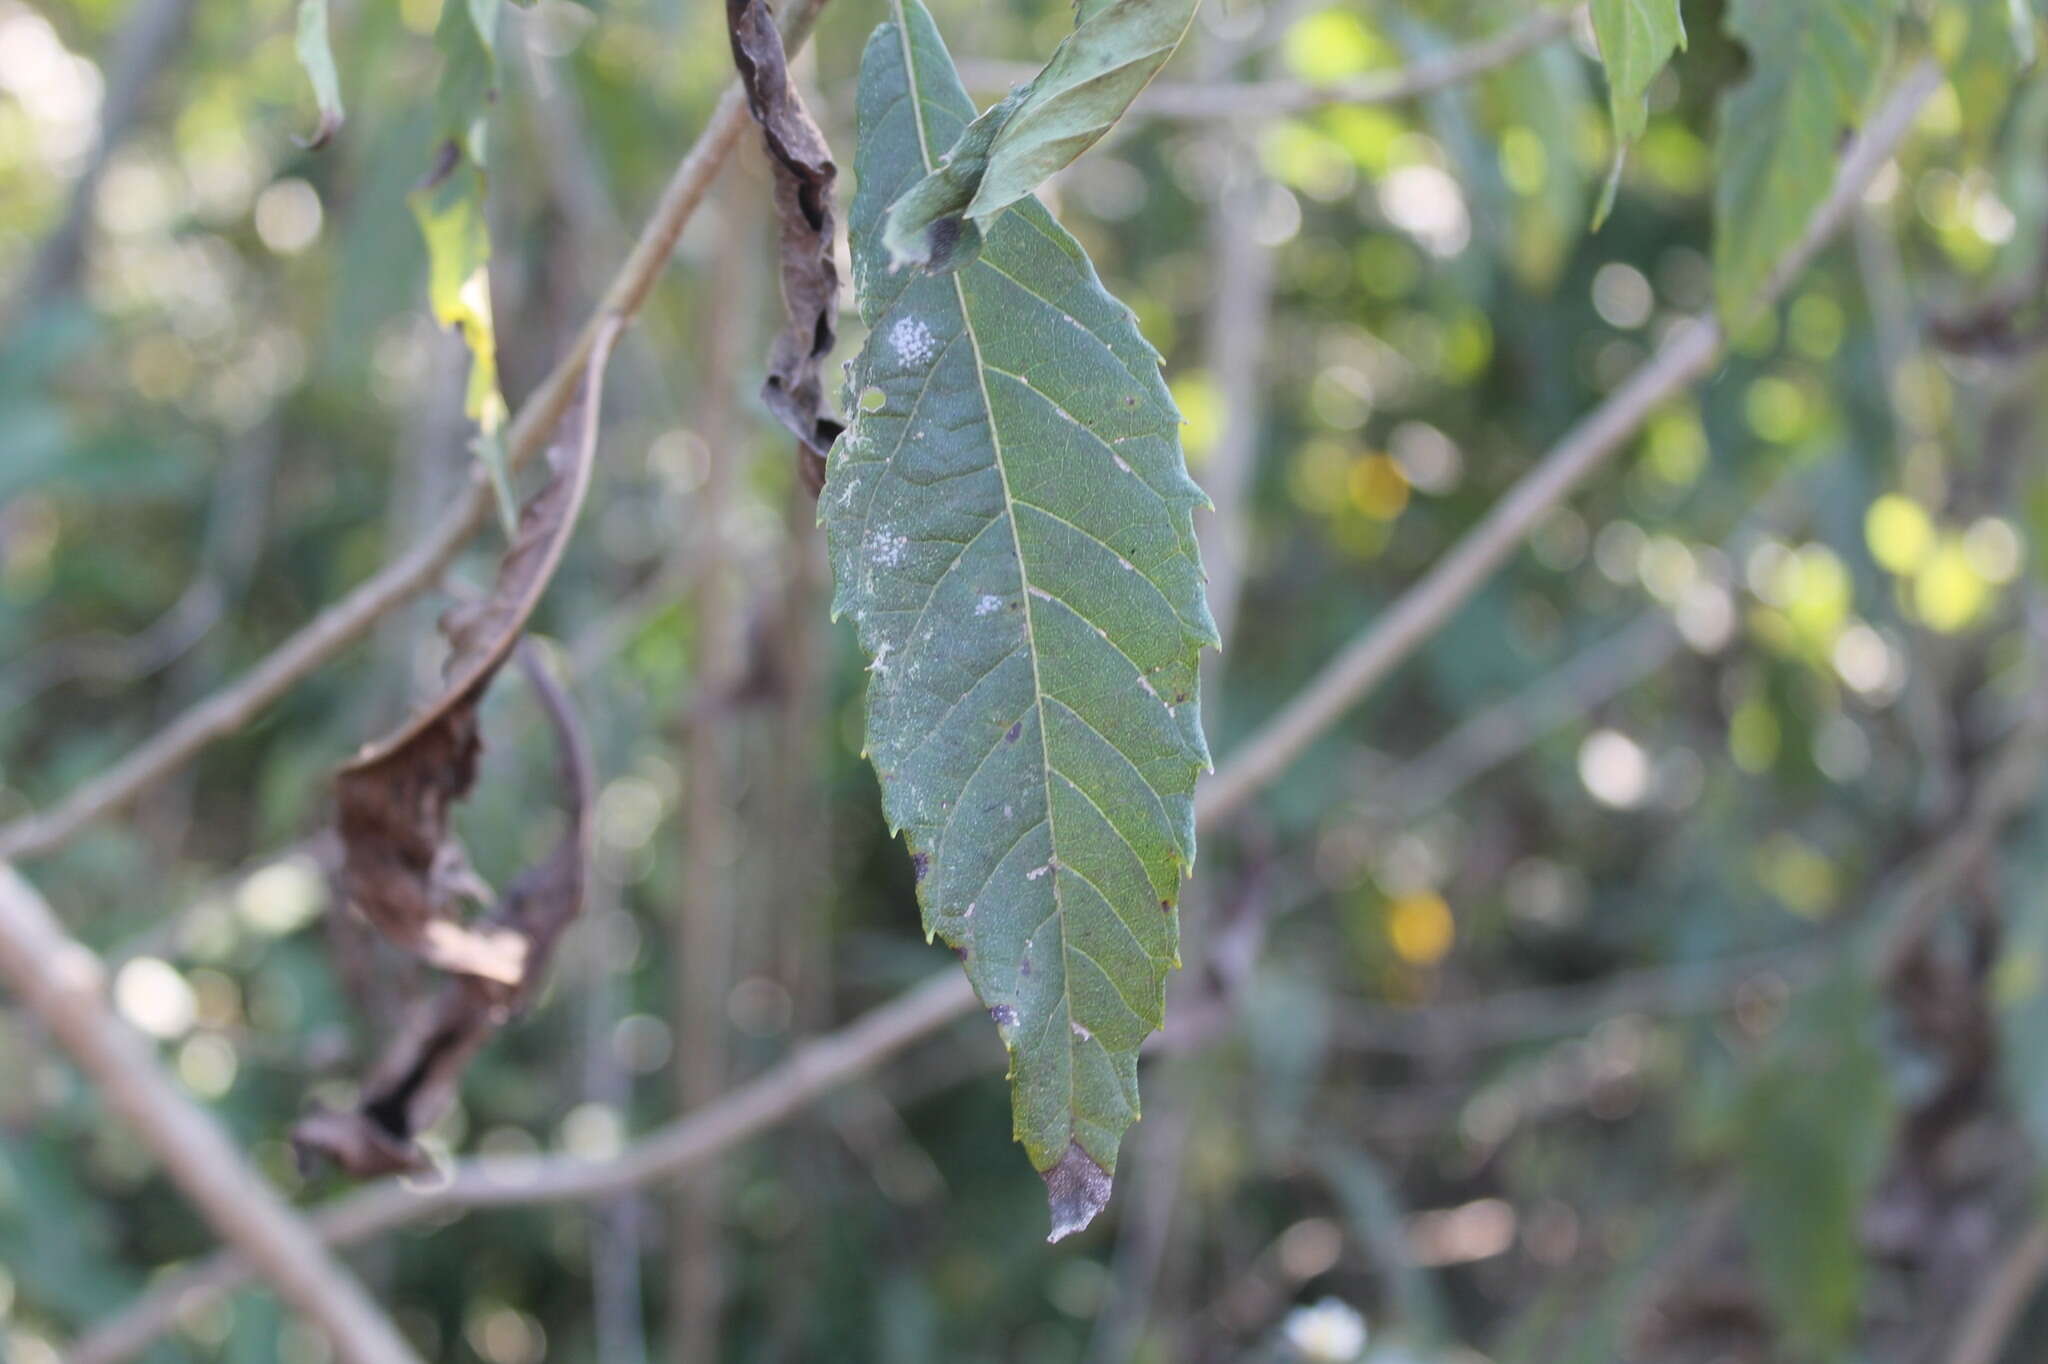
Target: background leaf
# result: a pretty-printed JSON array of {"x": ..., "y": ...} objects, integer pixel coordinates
[
  {"x": 1816, "y": 1122},
  {"x": 316, "y": 55},
  {"x": 1115, "y": 50},
  {"x": 1636, "y": 38},
  {"x": 1011, "y": 527},
  {"x": 1813, "y": 66},
  {"x": 449, "y": 205}
]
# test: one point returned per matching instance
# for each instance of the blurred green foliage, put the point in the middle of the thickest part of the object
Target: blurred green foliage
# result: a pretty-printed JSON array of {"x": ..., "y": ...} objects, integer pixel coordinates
[{"x": 1448, "y": 1097}]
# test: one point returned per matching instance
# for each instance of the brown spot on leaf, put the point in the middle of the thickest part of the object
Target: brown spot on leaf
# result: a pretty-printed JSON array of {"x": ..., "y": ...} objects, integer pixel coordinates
[
  {"x": 920, "y": 863},
  {"x": 1015, "y": 730}
]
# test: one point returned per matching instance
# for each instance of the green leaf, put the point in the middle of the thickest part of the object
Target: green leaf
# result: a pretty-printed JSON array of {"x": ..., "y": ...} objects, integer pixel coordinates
[
  {"x": 1984, "y": 45},
  {"x": 1011, "y": 526},
  {"x": 2019, "y": 984},
  {"x": 1637, "y": 37},
  {"x": 1814, "y": 65},
  {"x": 318, "y": 58},
  {"x": 1548, "y": 96},
  {"x": 1817, "y": 1123},
  {"x": 1115, "y": 50},
  {"x": 449, "y": 205}
]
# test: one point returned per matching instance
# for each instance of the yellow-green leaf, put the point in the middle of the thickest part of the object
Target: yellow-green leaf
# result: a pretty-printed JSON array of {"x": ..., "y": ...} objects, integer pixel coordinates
[
  {"x": 1637, "y": 37},
  {"x": 449, "y": 205}
]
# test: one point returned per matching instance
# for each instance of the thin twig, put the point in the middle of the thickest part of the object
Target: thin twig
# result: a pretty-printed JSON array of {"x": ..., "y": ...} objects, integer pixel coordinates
[
  {"x": 752, "y": 1108},
  {"x": 1996, "y": 1309},
  {"x": 1201, "y": 100},
  {"x": 340, "y": 625},
  {"x": 1540, "y": 1013},
  {"x": 1688, "y": 351},
  {"x": 59, "y": 981},
  {"x": 2000, "y": 795},
  {"x": 1602, "y": 671},
  {"x": 1235, "y": 347}
]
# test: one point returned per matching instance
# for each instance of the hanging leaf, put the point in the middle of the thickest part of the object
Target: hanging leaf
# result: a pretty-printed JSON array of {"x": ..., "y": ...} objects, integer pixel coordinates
[
  {"x": 1115, "y": 50},
  {"x": 1637, "y": 37},
  {"x": 317, "y": 57},
  {"x": 406, "y": 871},
  {"x": 1011, "y": 527},
  {"x": 1814, "y": 65},
  {"x": 421, "y": 1070},
  {"x": 804, "y": 179},
  {"x": 449, "y": 204}
]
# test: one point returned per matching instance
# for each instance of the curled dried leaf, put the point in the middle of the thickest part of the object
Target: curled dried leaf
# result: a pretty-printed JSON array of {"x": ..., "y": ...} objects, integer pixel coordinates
[
  {"x": 804, "y": 176},
  {"x": 405, "y": 869},
  {"x": 420, "y": 1071}
]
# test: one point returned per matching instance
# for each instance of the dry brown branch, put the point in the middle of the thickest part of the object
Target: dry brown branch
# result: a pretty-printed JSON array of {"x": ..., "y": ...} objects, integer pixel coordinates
[
  {"x": 813, "y": 1069},
  {"x": 58, "y": 980},
  {"x": 1992, "y": 1314}
]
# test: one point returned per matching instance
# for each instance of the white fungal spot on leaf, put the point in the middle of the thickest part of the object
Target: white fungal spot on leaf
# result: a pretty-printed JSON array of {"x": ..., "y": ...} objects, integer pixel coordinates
[
  {"x": 988, "y": 604},
  {"x": 1080, "y": 1031},
  {"x": 885, "y": 547},
  {"x": 912, "y": 340},
  {"x": 1037, "y": 872}
]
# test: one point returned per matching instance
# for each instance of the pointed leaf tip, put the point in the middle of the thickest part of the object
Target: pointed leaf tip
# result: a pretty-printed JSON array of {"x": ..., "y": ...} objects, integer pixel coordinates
[
  {"x": 1075, "y": 1189},
  {"x": 1011, "y": 526}
]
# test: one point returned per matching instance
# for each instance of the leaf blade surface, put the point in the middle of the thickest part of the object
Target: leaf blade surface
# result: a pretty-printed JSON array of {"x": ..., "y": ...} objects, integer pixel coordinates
[{"x": 1011, "y": 527}]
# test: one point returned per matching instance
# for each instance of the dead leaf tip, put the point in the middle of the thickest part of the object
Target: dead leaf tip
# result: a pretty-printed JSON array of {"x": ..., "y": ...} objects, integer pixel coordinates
[{"x": 1076, "y": 1189}]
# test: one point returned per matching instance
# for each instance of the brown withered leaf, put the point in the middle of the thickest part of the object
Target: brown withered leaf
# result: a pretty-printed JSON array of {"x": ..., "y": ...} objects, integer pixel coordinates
[
  {"x": 418, "y": 1075},
  {"x": 404, "y": 868},
  {"x": 804, "y": 178}
]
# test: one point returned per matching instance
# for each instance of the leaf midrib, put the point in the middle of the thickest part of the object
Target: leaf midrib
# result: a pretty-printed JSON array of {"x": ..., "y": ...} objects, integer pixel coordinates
[{"x": 924, "y": 150}]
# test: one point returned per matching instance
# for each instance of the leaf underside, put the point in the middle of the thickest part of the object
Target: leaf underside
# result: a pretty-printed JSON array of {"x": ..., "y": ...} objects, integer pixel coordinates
[
  {"x": 1115, "y": 50},
  {"x": 1011, "y": 527},
  {"x": 1814, "y": 66}
]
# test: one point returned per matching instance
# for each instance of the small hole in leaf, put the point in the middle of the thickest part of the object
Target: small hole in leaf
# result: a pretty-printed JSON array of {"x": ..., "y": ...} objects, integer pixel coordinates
[{"x": 871, "y": 400}]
